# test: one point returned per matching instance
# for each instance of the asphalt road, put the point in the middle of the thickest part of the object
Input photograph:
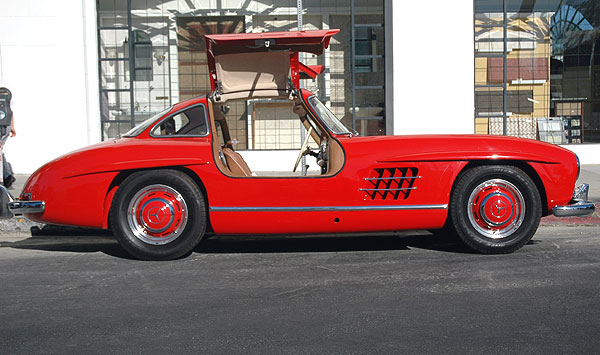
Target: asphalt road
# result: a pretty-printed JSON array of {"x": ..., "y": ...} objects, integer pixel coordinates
[{"x": 388, "y": 294}]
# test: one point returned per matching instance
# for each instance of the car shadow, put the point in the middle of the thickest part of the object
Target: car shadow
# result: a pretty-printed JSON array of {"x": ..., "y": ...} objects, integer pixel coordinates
[
  {"x": 329, "y": 243},
  {"x": 339, "y": 243},
  {"x": 81, "y": 240},
  {"x": 71, "y": 239}
]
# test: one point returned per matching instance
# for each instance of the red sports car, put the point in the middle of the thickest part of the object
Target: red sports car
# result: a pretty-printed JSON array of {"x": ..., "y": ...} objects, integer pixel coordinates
[{"x": 176, "y": 176}]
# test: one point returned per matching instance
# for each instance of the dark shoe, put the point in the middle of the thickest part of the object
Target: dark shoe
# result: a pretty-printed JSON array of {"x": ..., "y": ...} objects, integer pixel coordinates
[{"x": 9, "y": 181}]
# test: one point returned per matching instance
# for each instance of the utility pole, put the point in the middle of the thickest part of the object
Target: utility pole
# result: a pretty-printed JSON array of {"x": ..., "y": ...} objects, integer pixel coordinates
[{"x": 302, "y": 131}]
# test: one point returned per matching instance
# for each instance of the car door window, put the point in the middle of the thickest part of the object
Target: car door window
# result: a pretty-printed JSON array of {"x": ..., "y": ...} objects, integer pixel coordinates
[{"x": 191, "y": 122}]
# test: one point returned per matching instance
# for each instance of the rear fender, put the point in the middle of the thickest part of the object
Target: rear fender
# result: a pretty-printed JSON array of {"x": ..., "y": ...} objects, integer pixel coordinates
[{"x": 124, "y": 174}]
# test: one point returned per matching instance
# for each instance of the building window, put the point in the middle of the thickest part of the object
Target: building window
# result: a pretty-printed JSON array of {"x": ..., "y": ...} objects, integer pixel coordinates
[
  {"x": 142, "y": 55},
  {"x": 193, "y": 65},
  {"x": 537, "y": 69},
  {"x": 364, "y": 38},
  {"x": 168, "y": 61}
]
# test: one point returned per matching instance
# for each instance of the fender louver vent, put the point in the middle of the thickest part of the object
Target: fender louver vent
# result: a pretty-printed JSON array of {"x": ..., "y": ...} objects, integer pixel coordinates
[{"x": 391, "y": 183}]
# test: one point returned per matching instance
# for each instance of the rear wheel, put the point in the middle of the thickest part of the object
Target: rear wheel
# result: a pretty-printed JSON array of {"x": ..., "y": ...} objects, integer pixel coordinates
[
  {"x": 495, "y": 209},
  {"x": 158, "y": 214}
]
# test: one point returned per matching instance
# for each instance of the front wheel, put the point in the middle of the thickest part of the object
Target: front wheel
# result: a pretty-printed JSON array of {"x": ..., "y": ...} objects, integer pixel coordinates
[
  {"x": 495, "y": 209},
  {"x": 158, "y": 214}
]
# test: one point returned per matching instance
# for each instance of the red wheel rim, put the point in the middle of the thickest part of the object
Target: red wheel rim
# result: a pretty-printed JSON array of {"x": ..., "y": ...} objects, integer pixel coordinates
[
  {"x": 496, "y": 208},
  {"x": 157, "y": 214}
]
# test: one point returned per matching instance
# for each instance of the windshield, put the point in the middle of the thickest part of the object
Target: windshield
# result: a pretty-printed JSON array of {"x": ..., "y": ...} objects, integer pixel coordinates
[
  {"x": 333, "y": 123},
  {"x": 145, "y": 124}
]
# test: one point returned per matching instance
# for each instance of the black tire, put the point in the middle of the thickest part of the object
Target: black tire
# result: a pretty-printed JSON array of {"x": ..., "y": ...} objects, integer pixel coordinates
[
  {"x": 495, "y": 209},
  {"x": 158, "y": 214}
]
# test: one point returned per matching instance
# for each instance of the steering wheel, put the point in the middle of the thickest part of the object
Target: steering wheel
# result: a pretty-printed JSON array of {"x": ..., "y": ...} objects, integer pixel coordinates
[{"x": 303, "y": 149}]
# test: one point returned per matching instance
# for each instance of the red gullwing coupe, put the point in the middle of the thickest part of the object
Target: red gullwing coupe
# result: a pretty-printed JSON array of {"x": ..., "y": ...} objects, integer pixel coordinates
[{"x": 176, "y": 176}]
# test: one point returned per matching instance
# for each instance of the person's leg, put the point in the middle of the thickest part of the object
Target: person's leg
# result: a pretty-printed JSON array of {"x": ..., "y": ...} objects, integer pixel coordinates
[{"x": 9, "y": 179}]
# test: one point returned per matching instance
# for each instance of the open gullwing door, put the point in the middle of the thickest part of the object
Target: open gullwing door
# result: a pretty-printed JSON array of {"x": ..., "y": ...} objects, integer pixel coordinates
[{"x": 249, "y": 65}]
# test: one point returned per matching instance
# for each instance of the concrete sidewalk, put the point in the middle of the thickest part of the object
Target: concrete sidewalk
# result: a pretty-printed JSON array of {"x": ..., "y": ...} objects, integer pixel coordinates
[{"x": 589, "y": 174}]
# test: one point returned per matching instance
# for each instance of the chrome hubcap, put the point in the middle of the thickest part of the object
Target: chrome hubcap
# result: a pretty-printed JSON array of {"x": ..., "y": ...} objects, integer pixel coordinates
[
  {"x": 496, "y": 208},
  {"x": 157, "y": 214}
]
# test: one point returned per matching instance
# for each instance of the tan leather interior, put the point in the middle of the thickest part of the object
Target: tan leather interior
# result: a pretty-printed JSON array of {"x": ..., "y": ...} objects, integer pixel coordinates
[
  {"x": 336, "y": 153},
  {"x": 251, "y": 75},
  {"x": 228, "y": 161},
  {"x": 336, "y": 158},
  {"x": 216, "y": 145},
  {"x": 236, "y": 163}
]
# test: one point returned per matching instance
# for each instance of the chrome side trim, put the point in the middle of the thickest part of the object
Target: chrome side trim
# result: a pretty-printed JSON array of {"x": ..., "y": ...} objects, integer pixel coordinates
[
  {"x": 328, "y": 208},
  {"x": 400, "y": 189},
  {"x": 394, "y": 178},
  {"x": 21, "y": 207}
]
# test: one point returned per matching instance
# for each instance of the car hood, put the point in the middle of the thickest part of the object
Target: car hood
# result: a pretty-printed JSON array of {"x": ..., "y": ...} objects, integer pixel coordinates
[{"x": 462, "y": 147}]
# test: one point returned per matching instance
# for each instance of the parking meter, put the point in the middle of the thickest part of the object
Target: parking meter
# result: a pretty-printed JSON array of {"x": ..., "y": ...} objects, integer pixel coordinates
[{"x": 5, "y": 112}]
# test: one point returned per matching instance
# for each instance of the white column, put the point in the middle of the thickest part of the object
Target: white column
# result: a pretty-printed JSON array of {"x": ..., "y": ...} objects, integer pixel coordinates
[
  {"x": 173, "y": 60},
  {"x": 433, "y": 67},
  {"x": 48, "y": 60},
  {"x": 92, "y": 89},
  {"x": 389, "y": 66}
]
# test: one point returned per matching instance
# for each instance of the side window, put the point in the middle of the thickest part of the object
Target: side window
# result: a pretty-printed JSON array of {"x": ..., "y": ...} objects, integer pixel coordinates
[{"x": 191, "y": 122}]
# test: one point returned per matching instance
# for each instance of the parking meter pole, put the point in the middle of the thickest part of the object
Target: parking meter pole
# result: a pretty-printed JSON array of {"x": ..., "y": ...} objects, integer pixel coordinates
[{"x": 1, "y": 163}]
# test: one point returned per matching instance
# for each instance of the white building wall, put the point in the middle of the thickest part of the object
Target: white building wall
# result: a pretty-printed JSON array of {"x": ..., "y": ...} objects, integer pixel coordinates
[
  {"x": 48, "y": 60},
  {"x": 433, "y": 67},
  {"x": 587, "y": 153}
]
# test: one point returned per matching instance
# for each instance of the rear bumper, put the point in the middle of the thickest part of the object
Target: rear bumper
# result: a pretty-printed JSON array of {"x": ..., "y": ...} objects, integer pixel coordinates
[
  {"x": 10, "y": 207},
  {"x": 579, "y": 206},
  {"x": 20, "y": 207}
]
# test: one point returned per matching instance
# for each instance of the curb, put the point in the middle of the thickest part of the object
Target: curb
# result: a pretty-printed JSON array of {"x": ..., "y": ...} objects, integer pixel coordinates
[{"x": 18, "y": 224}]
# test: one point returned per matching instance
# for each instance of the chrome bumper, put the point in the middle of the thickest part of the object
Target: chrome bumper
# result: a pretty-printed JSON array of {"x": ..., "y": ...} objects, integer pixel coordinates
[
  {"x": 9, "y": 207},
  {"x": 20, "y": 207},
  {"x": 579, "y": 207}
]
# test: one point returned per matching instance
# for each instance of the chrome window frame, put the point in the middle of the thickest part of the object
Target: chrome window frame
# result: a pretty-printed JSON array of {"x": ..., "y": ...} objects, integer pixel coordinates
[{"x": 314, "y": 109}]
